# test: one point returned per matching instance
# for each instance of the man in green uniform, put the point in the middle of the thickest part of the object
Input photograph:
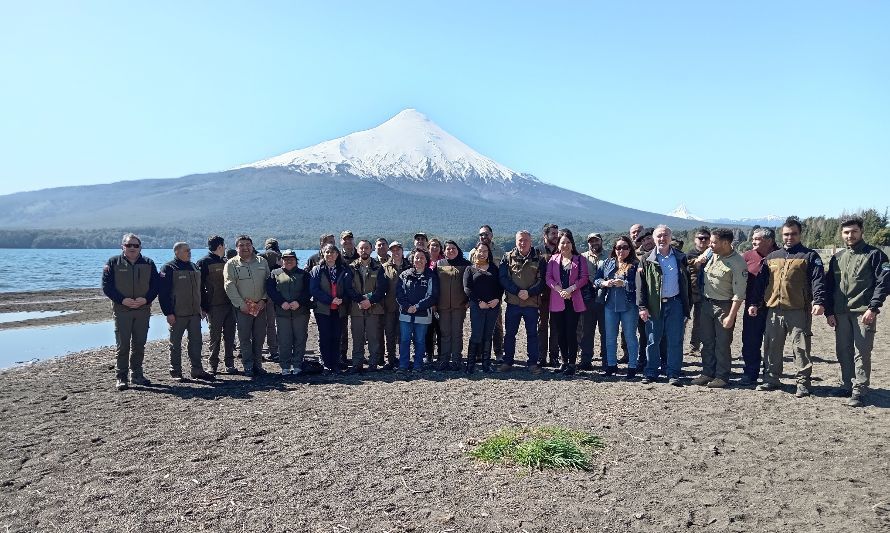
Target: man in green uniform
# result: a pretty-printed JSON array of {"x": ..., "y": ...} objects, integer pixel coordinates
[
  {"x": 366, "y": 288},
  {"x": 245, "y": 283},
  {"x": 725, "y": 278},
  {"x": 858, "y": 282},
  {"x": 216, "y": 305},
  {"x": 390, "y": 320},
  {"x": 180, "y": 297},
  {"x": 130, "y": 281}
]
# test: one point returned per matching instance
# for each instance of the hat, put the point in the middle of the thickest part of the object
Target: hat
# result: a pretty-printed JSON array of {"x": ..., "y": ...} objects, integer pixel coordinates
[
  {"x": 594, "y": 236},
  {"x": 421, "y": 234},
  {"x": 271, "y": 244},
  {"x": 393, "y": 244},
  {"x": 326, "y": 236},
  {"x": 288, "y": 253},
  {"x": 346, "y": 233},
  {"x": 647, "y": 232}
]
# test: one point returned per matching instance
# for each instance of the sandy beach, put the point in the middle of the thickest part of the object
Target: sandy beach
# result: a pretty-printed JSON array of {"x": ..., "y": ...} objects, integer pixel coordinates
[{"x": 375, "y": 453}]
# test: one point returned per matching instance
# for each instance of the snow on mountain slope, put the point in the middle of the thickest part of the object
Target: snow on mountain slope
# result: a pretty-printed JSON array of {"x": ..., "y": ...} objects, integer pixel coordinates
[
  {"x": 682, "y": 212},
  {"x": 407, "y": 146}
]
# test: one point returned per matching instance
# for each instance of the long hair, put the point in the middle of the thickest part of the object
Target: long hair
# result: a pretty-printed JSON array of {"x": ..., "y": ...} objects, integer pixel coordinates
[
  {"x": 567, "y": 233},
  {"x": 487, "y": 247},
  {"x": 633, "y": 251},
  {"x": 329, "y": 246}
]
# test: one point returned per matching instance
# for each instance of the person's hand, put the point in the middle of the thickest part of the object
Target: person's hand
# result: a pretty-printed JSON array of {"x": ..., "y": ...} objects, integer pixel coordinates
[
  {"x": 171, "y": 319},
  {"x": 869, "y": 317},
  {"x": 412, "y": 309},
  {"x": 832, "y": 321},
  {"x": 644, "y": 315},
  {"x": 286, "y": 306},
  {"x": 818, "y": 310},
  {"x": 728, "y": 322},
  {"x": 245, "y": 307},
  {"x": 523, "y": 294},
  {"x": 483, "y": 305},
  {"x": 493, "y": 303},
  {"x": 752, "y": 310},
  {"x": 261, "y": 305},
  {"x": 364, "y": 305},
  {"x": 337, "y": 301},
  {"x": 294, "y": 305}
]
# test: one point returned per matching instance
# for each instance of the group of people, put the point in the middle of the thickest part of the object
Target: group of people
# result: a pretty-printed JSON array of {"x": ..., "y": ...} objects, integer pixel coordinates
[{"x": 644, "y": 290}]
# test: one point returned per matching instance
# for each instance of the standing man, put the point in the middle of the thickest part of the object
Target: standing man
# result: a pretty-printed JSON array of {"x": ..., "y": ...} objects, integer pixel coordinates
[
  {"x": 381, "y": 246},
  {"x": 548, "y": 343},
  {"x": 634, "y": 232},
  {"x": 700, "y": 246},
  {"x": 858, "y": 283},
  {"x": 421, "y": 241},
  {"x": 522, "y": 276},
  {"x": 272, "y": 255},
  {"x": 245, "y": 283},
  {"x": 316, "y": 258},
  {"x": 645, "y": 244},
  {"x": 754, "y": 320},
  {"x": 180, "y": 298},
  {"x": 350, "y": 254},
  {"x": 130, "y": 281},
  {"x": 486, "y": 234},
  {"x": 663, "y": 296},
  {"x": 390, "y": 320},
  {"x": 725, "y": 279},
  {"x": 366, "y": 288},
  {"x": 216, "y": 305},
  {"x": 594, "y": 317},
  {"x": 288, "y": 288},
  {"x": 794, "y": 293}
]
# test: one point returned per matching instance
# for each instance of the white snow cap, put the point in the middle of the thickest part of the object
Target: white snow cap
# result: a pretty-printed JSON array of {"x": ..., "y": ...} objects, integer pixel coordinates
[{"x": 407, "y": 146}]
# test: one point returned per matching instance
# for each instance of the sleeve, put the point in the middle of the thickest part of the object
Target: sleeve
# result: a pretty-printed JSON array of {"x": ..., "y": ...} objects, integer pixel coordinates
[
  {"x": 205, "y": 297},
  {"x": 315, "y": 287},
  {"x": 829, "y": 286},
  {"x": 165, "y": 290},
  {"x": 584, "y": 278},
  {"x": 739, "y": 280},
  {"x": 108, "y": 283},
  {"x": 468, "y": 285},
  {"x": 153, "y": 284},
  {"x": 882, "y": 280},
  {"x": 600, "y": 275},
  {"x": 349, "y": 289},
  {"x": 379, "y": 293},
  {"x": 816, "y": 271},
  {"x": 500, "y": 288},
  {"x": 504, "y": 277},
  {"x": 538, "y": 286},
  {"x": 751, "y": 286},
  {"x": 230, "y": 285},
  {"x": 432, "y": 295},
  {"x": 642, "y": 288},
  {"x": 553, "y": 275},
  {"x": 305, "y": 298},
  {"x": 760, "y": 284},
  {"x": 272, "y": 290},
  {"x": 401, "y": 296}
]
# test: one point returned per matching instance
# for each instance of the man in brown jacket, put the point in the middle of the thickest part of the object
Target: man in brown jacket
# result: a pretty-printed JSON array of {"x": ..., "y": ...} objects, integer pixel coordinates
[{"x": 522, "y": 276}]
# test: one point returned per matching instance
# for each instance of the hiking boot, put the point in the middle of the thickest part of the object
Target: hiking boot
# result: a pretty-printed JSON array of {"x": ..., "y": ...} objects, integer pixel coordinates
[
  {"x": 357, "y": 369},
  {"x": 747, "y": 381},
  {"x": 701, "y": 380},
  {"x": 675, "y": 381},
  {"x": 388, "y": 367},
  {"x": 569, "y": 371},
  {"x": 199, "y": 373},
  {"x": 121, "y": 385},
  {"x": 505, "y": 367},
  {"x": 631, "y": 374},
  {"x": 768, "y": 386},
  {"x": 231, "y": 370},
  {"x": 141, "y": 380},
  {"x": 611, "y": 370},
  {"x": 585, "y": 366},
  {"x": 717, "y": 383},
  {"x": 856, "y": 400},
  {"x": 802, "y": 390},
  {"x": 177, "y": 376}
]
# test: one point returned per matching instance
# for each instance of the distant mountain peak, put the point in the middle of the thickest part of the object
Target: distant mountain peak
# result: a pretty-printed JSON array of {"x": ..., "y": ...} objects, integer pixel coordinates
[
  {"x": 408, "y": 146},
  {"x": 682, "y": 212}
]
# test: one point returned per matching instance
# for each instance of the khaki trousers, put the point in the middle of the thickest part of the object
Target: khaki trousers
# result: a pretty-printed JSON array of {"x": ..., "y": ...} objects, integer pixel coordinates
[
  {"x": 781, "y": 323},
  {"x": 853, "y": 343}
]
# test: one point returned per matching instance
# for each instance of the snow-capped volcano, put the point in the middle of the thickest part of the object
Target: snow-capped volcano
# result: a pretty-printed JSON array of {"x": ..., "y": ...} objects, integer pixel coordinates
[
  {"x": 682, "y": 212},
  {"x": 407, "y": 146}
]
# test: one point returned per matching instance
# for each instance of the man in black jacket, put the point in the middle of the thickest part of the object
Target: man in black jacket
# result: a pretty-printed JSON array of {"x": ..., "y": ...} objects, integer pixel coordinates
[{"x": 216, "y": 305}]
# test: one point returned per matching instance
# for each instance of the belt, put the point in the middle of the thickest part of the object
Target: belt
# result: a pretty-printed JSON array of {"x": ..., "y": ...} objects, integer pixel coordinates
[
  {"x": 713, "y": 301},
  {"x": 669, "y": 298}
]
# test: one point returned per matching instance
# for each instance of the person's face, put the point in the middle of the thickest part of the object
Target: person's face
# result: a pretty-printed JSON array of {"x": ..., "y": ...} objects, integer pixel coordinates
[
  {"x": 330, "y": 256},
  {"x": 851, "y": 234},
  {"x": 418, "y": 261},
  {"x": 662, "y": 238},
  {"x": 790, "y": 236},
  {"x": 435, "y": 249},
  {"x": 552, "y": 236},
  {"x": 565, "y": 245},
  {"x": 702, "y": 241},
  {"x": 132, "y": 248},
  {"x": 421, "y": 243},
  {"x": 595, "y": 245},
  {"x": 523, "y": 243},
  {"x": 718, "y": 246},
  {"x": 381, "y": 248},
  {"x": 622, "y": 250},
  {"x": 484, "y": 236},
  {"x": 397, "y": 256},
  {"x": 184, "y": 254},
  {"x": 647, "y": 243},
  {"x": 635, "y": 231},
  {"x": 481, "y": 254},
  {"x": 364, "y": 250},
  {"x": 450, "y": 251},
  {"x": 245, "y": 248},
  {"x": 289, "y": 262},
  {"x": 347, "y": 243}
]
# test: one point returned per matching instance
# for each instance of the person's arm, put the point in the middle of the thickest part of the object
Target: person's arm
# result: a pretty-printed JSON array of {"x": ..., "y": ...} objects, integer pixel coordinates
[
  {"x": 538, "y": 286},
  {"x": 108, "y": 286},
  {"x": 504, "y": 276},
  {"x": 881, "y": 265},
  {"x": 553, "y": 280},
  {"x": 230, "y": 276},
  {"x": 204, "y": 268},
  {"x": 468, "y": 285},
  {"x": 401, "y": 296},
  {"x": 431, "y": 296},
  {"x": 642, "y": 292},
  {"x": 379, "y": 293},
  {"x": 165, "y": 290},
  {"x": 816, "y": 274},
  {"x": 348, "y": 279},
  {"x": 273, "y": 292},
  {"x": 154, "y": 283},
  {"x": 829, "y": 289},
  {"x": 584, "y": 277}
]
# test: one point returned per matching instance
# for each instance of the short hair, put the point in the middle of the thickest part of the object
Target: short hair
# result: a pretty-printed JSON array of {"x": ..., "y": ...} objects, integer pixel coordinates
[
  {"x": 426, "y": 255},
  {"x": 549, "y": 226},
  {"x": 703, "y": 231},
  {"x": 381, "y": 239},
  {"x": 179, "y": 246},
  {"x": 437, "y": 241},
  {"x": 361, "y": 241},
  {"x": 333, "y": 247},
  {"x": 214, "y": 242},
  {"x": 243, "y": 238},
  {"x": 230, "y": 253},
  {"x": 128, "y": 236},
  {"x": 524, "y": 232},
  {"x": 487, "y": 228},
  {"x": 765, "y": 233},
  {"x": 852, "y": 221},
  {"x": 792, "y": 222},
  {"x": 724, "y": 234},
  {"x": 664, "y": 227}
]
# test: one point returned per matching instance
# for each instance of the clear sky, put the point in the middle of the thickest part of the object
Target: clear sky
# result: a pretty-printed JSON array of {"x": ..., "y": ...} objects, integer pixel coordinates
[{"x": 735, "y": 109}]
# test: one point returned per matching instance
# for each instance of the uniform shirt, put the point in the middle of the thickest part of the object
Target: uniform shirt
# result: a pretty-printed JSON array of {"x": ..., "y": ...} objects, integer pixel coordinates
[
  {"x": 246, "y": 280},
  {"x": 858, "y": 280},
  {"x": 726, "y": 278},
  {"x": 670, "y": 284}
]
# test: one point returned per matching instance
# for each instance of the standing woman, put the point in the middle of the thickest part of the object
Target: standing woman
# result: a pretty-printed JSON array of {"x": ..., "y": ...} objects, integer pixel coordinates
[
  {"x": 482, "y": 285},
  {"x": 452, "y": 306},
  {"x": 617, "y": 276},
  {"x": 416, "y": 293},
  {"x": 327, "y": 284},
  {"x": 566, "y": 274},
  {"x": 434, "y": 332}
]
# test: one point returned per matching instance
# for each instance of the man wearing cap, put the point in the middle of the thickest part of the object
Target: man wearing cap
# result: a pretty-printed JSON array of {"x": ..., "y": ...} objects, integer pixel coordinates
[
  {"x": 548, "y": 342},
  {"x": 288, "y": 288},
  {"x": 179, "y": 294},
  {"x": 381, "y": 246},
  {"x": 422, "y": 241},
  {"x": 350, "y": 254},
  {"x": 245, "y": 283},
  {"x": 272, "y": 254},
  {"x": 594, "y": 317},
  {"x": 390, "y": 321},
  {"x": 366, "y": 288},
  {"x": 216, "y": 305},
  {"x": 763, "y": 241},
  {"x": 316, "y": 258},
  {"x": 700, "y": 246},
  {"x": 486, "y": 234},
  {"x": 130, "y": 280},
  {"x": 725, "y": 278}
]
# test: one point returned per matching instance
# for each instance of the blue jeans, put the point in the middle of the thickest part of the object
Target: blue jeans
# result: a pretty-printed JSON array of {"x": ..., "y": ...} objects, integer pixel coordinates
[
  {"x": 628, "y": 320},
  {"x": 409, "y": 331},
  {"x": 515, "y": 313},
  {"x": 670, "y": 326}
]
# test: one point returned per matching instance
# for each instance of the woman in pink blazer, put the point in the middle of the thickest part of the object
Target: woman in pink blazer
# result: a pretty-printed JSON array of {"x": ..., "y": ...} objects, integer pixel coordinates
[{"x": 566, "y": 274}]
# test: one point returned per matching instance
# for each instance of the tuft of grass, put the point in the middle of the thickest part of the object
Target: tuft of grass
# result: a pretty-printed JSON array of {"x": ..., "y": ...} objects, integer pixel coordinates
[{"x": 542, "y": 447}]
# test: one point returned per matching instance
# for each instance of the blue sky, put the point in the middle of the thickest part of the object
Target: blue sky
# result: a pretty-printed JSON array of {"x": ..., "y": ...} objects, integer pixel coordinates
[{"x": 733, "y": 108}]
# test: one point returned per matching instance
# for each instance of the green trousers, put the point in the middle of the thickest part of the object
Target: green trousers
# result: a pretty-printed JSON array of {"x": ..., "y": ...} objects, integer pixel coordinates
[
  {"x": 780, "y": 324},
  {"x": 716, "y": 354},
  {"x": 130, "y": 333},
  {"x": 293, "y": 331},
  {"x": 183, "y": 324},
  {"x": 853, "y": 343}
]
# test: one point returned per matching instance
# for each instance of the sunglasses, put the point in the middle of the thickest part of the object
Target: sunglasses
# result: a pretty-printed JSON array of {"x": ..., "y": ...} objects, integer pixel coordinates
[
  {"x": 622, "y": 247},
  {"x": 131, "y": 245},
  {"x": 702, "y": 238}
]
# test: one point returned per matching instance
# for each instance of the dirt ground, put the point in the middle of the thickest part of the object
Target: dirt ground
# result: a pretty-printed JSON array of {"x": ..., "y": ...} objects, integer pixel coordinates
[{"x": 377, "y": 454}]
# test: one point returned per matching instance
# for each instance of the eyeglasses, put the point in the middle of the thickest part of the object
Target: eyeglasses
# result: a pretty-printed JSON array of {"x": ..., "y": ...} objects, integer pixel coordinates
[
  {"x": 622, "y": 247},
  {"x": 131, "y": 245},
  {"x": 702, "y": 238}
]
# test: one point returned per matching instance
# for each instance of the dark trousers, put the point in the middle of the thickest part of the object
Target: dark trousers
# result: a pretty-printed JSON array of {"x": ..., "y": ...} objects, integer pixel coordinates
[
  {"x": 753, "y": 328},
  {"x": 593, "y": 319},
  {"x": 329, "y": 339},
  {"x": 389, "y": 337},
  {"x": 130, "y": 332},
  {"x": 251, "y": 335},
  {"x": 271, "y": 329},
  {"x": 191, "y": 325},
  {"x": 433, "y": 339},
  {"x": 293, "y": 332},
  {"x": 451, "y": 324},
  {"x": 515, "y": 313},
  {"x": 222, "y": 328},
  {"x": 366, "y": 330},
  {"x": 695, "y": 339},
  {"x": 482, "y": 322},
  {"x": 566, "y": 325},
  {"x": 344, "y": 339}
]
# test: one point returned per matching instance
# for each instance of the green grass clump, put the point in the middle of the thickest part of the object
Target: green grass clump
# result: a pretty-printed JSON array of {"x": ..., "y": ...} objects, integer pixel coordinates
[{"x": 544, "y": 447}]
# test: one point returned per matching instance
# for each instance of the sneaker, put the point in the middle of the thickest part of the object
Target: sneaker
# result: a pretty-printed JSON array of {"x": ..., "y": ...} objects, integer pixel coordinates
[
  {"x": 121, "y": 385},
  {"x": 177, "y": 376},
  {"x": 856, "y": 400},
  {"x": 675, "y": 381},
  {"x": 701, "y": 380},
  {"x": 231, "y": 370},
  {"x": 141, "y": 380},
  {"x": 717, "y": 383},
  {"x": 768, "y": 386},
  {"x": 569, "y": 371},
  {"x": 631, "y": 374},
  {"x": 802, "y": 390},
  {"x": 505, "y": 367},
  {"x": 199, "y": 373},
  {"x": 535, "y": 369},
  {"x": 647, "y": 380},
  {"x": 747, "y": 381}
]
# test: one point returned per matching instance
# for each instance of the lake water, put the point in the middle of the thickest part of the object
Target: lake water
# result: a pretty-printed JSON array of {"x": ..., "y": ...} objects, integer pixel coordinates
[{"x": 49, "y": 269}]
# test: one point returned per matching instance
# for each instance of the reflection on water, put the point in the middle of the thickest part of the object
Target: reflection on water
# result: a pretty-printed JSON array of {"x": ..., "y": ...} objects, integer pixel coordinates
[
  {"x": 19, "y": 316},
  {"x": 30, "y": 344}
]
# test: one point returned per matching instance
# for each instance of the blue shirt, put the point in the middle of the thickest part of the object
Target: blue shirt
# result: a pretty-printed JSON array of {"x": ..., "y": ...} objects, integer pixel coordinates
[{"x": 670, "y": 283}]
